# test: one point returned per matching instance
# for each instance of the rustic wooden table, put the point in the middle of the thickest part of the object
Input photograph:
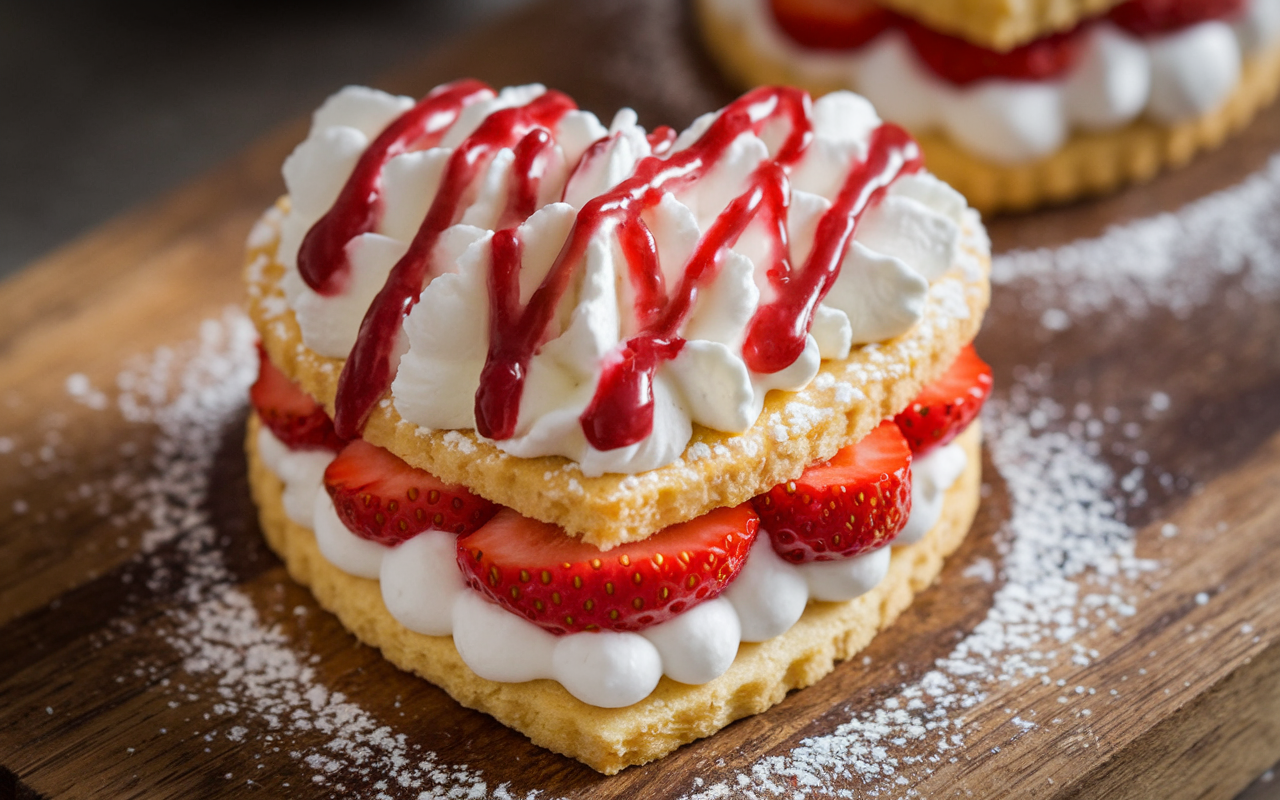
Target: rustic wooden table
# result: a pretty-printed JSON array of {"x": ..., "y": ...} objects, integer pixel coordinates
[{"x": 154, "y": 647}]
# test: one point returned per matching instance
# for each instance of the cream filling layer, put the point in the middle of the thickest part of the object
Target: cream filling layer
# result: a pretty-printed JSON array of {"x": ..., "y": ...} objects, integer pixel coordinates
[
  {"x": 1119, "y": 78},
  {"x": 424, "y": 590}
]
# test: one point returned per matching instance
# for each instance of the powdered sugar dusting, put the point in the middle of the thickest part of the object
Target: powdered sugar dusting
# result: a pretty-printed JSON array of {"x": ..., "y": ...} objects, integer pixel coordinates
[
  {"x": 188, "y": 393},
  {"x": 80, "y": 389},
  {"x": 268, "y": 691},
  {"x": 267, "y": 684},
  {"x": 1146, "y": 264}
]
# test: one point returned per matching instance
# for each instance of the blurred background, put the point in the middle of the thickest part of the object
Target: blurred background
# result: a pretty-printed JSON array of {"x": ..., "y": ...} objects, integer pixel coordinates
[{"x": 105, "y": 104}]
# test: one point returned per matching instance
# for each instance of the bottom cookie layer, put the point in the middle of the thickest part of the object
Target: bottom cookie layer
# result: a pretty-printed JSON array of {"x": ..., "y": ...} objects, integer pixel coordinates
[
  {"x": 610, "y": 739},
  {"x": 1087, "y": 164}
]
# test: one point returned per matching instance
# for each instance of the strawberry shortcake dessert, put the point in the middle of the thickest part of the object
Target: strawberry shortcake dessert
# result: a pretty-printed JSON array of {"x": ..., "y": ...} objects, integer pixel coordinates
[
  {"x": 1019, "y": 104},
  {"x": 614, "y": 434}
]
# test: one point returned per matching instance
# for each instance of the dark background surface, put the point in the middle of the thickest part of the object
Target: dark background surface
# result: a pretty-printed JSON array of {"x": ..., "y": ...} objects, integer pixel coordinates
[{"x": 104, "y": 105}]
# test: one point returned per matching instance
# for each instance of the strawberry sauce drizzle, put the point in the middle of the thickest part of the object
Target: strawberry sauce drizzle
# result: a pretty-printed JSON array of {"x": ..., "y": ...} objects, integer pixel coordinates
[
  {"x": 322, "y": 258},
  {"x": 368, "y": 370},
  {"x": 661, "y": 139},
  {"x": 621, "y": 411},
  {"x": 776, "y": 335},
  {"x": 527, "y": 171}
]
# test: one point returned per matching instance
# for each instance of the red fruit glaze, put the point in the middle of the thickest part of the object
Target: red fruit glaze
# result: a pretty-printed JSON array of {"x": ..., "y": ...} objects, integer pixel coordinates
[
  {"x": 322, "y": 258},
  {"x": 661, "y": 138},
  {"x": 566, "y": 586},
  {"x": 622, "y": 411},
  {"x": 945, "y": 407},
  {"x": 962, "y": 63},
  {"x": 1145, "y": 17},
  {"x": 831, "y": 24},
  {"x": 291, "y": 414},
  {"x": 381, "y": 498},
  {"x": 854, "y": 503},
  {"x": 368, "y": 371}
]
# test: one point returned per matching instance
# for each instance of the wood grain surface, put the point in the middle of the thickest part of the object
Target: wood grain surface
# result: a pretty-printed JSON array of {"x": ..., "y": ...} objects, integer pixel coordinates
[{"x": 94, "y": 703}]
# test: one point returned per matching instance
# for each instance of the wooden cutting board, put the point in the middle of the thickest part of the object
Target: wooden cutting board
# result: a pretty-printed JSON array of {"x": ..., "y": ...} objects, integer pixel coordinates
[{"x": 97, "y": 697}]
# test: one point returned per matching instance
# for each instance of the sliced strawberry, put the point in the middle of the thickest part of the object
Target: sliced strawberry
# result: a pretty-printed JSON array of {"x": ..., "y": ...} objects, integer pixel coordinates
[
  {"x": 1145, "y": 17},
  {"x": 291, "y": 414},
  {"x": 962, "y": 63},
  {"x": 380, "y": 497},
  {"x": 565, "y": 585},
  {"x": 831, "y": 24},
  {"x": 945, "y": 407},
  {"x": 856, "y": 502}
]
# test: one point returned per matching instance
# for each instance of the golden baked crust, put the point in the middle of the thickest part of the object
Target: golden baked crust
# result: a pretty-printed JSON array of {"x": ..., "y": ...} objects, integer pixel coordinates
[
  {"x": 1088, "y": 164},
  {"x": 840, "y": 406},
  {"x": 609, "y": 740},
  {"x": 1000, "y": 24}
]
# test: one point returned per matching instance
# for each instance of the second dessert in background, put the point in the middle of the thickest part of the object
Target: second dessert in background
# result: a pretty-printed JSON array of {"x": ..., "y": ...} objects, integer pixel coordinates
[{"x": 1022, "y": 104}]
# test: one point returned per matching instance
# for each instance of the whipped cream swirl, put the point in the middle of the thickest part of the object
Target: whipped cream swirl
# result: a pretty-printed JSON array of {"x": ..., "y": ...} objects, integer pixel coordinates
[{"x": 900, "y": 245}]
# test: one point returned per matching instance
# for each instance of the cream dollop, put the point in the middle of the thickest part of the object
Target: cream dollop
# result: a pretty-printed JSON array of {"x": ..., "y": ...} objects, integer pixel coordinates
[
  {"x": 302, "y": 472},
  {"x": 931, "y": 476}
]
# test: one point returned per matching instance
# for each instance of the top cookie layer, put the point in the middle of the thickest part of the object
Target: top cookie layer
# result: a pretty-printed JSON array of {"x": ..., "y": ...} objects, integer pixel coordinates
[
  {"x": 608, "y": 328},
  {"x": 1000, "y": 24},
  {"x": 841, "y": 405}
]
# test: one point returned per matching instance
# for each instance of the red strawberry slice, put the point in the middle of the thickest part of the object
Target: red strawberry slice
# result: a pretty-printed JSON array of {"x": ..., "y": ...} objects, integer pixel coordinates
[
  {"x": 565, "y": 585},
  {"x": 856, "y": 502},
  {"x": 831, "y": 24},
  {"x": 962, "y": 63},
  {"x": 1146, "y": 17},
  {"x": 945, "y": 407},
  {"x": 381, "y": 498},
  {"x": 291, "y": 414}
]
